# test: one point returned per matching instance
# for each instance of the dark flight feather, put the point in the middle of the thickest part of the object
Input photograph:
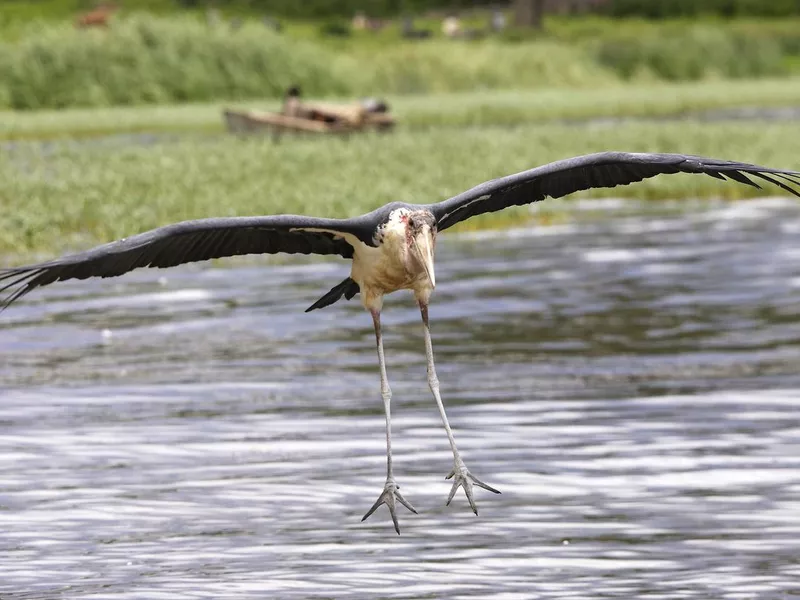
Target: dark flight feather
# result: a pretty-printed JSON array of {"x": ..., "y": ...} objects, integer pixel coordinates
[
  {"x": 602, "y": 170},
  {"x": 184, "y": 242},
  {"x": 348, "y": 288}
]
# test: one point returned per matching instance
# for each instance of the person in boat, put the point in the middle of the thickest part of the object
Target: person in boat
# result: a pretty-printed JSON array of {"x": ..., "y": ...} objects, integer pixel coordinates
[{"x": 292, "y": 106}]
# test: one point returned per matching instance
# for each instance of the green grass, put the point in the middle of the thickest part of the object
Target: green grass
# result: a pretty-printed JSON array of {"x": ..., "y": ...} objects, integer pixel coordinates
[
  {"x": 64, "y": 197},
  {"x": 481, "y": 108},
  {"x": 152, "y": 60},
  {"x": 145, "y": 59}
]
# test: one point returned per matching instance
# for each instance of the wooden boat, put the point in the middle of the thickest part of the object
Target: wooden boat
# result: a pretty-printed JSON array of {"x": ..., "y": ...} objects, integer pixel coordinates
[
  {"x": 265, "y": 122},
  {"x": 312, "y": 118}
]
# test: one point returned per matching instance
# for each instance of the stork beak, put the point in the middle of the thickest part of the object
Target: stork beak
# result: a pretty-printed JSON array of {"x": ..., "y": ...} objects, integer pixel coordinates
[{"x": 423, "y": 249}]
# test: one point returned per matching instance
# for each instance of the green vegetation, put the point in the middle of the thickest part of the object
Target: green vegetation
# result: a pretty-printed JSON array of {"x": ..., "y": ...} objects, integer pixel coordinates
[
  {"x": 146, "y": 60},
  {"x": 694, "y": 8},
  {"x": 483, "y": 108},
  {"x": 694, "y": 52},
  {"x": 60, "y": 197},
  {"x": 150, "y": 60},
  {"x": 308, "y": 9}
]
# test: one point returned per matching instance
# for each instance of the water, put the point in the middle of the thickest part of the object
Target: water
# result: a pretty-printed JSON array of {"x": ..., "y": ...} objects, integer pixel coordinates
[{"x": 630, "y": 381}]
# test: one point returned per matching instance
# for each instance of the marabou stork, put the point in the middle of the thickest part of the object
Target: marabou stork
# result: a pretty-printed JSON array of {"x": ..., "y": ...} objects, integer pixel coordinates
[{"x": 392, "y": 248}]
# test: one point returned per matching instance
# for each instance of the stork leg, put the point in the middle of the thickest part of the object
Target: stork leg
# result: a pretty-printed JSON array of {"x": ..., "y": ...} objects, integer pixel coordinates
[
  {"x": 391, "y": 490},
  {"x": 460, "y": 474}
]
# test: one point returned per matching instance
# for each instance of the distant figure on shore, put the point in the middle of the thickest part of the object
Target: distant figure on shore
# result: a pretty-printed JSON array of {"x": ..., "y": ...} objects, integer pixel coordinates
[
  {"x": 498, "y": 21},
  {"x": 362, "y": 22},
  {"x": 451, "y": 26},
  {"x": 359, "y": 21},
  {"x": 98, "y": 17}
]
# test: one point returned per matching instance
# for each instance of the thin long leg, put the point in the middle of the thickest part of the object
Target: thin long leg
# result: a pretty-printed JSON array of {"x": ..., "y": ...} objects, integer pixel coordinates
[
  {"x": 433, "y": 381},
  {"x": 391, "y": 489},
  {"x": 462, "y": 476},
  {"x": 386, "y": 391}
]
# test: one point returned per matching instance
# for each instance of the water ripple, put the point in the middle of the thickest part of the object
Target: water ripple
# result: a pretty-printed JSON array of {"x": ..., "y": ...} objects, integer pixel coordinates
[{"x": 629, "y": 382}]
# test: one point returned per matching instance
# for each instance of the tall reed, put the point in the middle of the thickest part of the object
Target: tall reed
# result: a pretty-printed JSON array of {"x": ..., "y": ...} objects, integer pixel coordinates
[{"x": 145, "y": 59}]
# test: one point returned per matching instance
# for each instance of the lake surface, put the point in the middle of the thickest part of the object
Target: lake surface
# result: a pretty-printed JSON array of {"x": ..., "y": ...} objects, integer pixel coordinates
[{"x": 630, "y": 381}]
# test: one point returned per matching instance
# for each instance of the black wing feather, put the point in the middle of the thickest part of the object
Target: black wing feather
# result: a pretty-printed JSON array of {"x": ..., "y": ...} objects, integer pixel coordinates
[
  {"x": 191, "y": 241},
  {"x": 602, "y": 170},
  {"x": 347, "y": 288}
]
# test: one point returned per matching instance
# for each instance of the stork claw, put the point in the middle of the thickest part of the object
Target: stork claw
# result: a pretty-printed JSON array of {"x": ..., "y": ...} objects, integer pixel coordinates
[
  {"x": 391, "y": 491},
  {"x": 463, "y": 478}
]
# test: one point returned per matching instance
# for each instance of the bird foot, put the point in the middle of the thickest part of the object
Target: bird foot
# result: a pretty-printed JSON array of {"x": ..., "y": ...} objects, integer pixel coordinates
[
  {"x": 391, "y": 492},
  {"x": 463, "y": 478}
]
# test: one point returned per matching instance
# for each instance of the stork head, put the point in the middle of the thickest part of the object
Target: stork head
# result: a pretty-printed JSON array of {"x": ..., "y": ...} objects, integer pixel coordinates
[{"x": 420, "y": 243}]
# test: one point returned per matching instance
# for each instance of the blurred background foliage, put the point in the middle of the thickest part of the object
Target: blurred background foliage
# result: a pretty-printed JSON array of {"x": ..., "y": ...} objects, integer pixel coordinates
[
  {"x": 181, "y": 57},
  {"x": 315, "y": 9}
]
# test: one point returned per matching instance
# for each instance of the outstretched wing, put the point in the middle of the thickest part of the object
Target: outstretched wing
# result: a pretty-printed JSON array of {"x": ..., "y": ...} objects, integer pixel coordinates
[
  {"x": 191, "y": 241},
  {"x": 602, "y": 170}
]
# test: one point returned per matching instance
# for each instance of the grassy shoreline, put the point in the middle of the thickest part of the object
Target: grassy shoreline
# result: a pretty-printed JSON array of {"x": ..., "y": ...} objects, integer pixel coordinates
[
  {"x": 146, "y": 59},
  {"x": 479, "y": 108},
  {"x": 62, "y": 197}
]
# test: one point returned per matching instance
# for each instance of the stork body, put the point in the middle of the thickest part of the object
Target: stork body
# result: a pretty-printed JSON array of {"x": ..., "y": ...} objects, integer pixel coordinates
[
  {"x": 401, "y": 260},
  {"x": 392, "y": 248}
]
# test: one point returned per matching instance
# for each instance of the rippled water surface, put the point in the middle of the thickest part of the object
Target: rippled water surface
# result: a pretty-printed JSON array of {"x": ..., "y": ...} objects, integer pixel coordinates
[{"x": 630, "y": 381}]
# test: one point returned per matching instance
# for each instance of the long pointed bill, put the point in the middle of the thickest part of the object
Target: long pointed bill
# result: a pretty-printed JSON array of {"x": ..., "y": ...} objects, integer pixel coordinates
[{"x": 424, "y": 250}]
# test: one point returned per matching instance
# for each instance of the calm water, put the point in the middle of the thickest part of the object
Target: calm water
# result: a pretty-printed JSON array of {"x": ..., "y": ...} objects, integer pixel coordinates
[{"x": 631, "y": 382}]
